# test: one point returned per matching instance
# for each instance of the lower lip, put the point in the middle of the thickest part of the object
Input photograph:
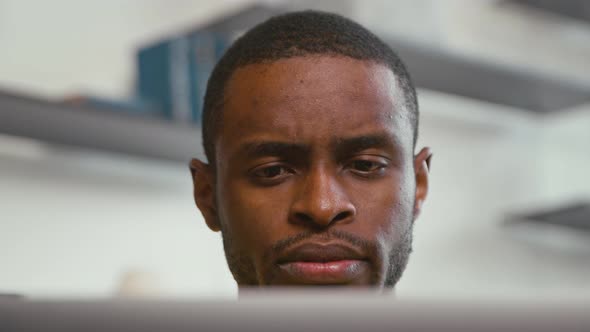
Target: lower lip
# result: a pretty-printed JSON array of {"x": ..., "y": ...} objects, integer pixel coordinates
[{"x": 334, "y": 272}]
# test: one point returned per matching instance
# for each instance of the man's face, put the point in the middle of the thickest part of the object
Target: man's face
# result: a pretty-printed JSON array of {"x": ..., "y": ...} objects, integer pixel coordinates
[{"x": 314, "y": 181}]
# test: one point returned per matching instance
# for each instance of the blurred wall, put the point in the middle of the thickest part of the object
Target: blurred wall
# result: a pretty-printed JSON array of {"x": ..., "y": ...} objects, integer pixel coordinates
[
  {"x": 489, "y": 163},
  {"x": 74, "y": 222},
  {"x": 53, "y": 48}
]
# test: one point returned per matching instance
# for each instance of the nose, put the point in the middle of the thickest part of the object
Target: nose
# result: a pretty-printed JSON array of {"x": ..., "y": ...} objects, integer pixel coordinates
[{"x": 321, "y": 201}]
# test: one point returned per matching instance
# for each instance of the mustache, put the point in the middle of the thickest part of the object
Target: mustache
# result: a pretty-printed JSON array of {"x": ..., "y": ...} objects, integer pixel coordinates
[{"x": 364, "y": 245}]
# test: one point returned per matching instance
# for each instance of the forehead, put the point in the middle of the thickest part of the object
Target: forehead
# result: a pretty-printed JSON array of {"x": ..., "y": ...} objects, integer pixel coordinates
[{"x": 307, "y": 99}]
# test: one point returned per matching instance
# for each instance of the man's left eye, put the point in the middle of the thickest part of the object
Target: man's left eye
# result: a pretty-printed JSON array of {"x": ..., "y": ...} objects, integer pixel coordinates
[{"x": 366, "y": 167}]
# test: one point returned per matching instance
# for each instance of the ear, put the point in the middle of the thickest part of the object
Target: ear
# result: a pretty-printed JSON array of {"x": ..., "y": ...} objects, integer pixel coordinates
[
  {"x": 204, "y": 192},
  {"x": 422, "y": 164}
]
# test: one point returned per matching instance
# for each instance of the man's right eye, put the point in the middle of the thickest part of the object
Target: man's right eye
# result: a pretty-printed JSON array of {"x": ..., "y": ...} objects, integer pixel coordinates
[{"x": 271, "y": 172}]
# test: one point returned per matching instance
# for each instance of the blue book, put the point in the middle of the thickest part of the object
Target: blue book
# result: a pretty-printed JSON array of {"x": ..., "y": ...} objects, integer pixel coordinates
[
  {"x": 164, "y": 77},
  {"x": 206, "y": 49}
]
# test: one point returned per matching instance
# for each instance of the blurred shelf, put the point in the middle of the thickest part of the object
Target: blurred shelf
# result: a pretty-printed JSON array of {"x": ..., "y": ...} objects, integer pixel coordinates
[
  {"x": 134, "y": 134},
  {"x": 577, "y": 9},
  {"x": 440, "y": 70}
]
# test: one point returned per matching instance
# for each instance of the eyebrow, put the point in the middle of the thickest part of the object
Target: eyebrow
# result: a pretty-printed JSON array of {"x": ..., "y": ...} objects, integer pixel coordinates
[
  {"x": 269, "y": 148},
  {"x": 342, "y": 147},
  {"x": 347, "y": 146}
]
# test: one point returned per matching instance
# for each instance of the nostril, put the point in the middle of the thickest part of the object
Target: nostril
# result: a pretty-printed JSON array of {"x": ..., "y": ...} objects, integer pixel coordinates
[
  {"x": 341, "y": 215},
  {"x": 302, "y": 217}
]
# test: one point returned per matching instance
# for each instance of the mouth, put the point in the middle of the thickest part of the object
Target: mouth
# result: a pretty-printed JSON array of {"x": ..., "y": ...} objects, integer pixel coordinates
[{"x": 323, "y": 264}]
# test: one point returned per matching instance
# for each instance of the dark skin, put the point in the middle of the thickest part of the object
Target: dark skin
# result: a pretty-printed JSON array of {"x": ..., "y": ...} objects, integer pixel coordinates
[{"x": 315, "y": 180}]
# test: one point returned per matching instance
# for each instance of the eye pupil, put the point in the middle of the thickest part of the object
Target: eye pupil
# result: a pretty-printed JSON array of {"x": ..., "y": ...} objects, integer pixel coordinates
[
  {"x": 364, "y": 165},
  {"x": 272, "y": 171}
]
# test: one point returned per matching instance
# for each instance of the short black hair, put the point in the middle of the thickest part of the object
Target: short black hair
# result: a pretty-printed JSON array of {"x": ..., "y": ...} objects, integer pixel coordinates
[{"x": 299, "y": 34}]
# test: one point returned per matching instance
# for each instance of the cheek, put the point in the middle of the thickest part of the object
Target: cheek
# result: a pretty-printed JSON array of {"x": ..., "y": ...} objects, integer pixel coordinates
[
  {"x": 402, "y": 210},
  {"x": 255, "y": 216},
  {"x": 387, "y": 206}
]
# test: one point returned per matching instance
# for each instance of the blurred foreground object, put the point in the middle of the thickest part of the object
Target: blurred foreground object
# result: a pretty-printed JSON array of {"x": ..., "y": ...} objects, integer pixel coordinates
[{"x": 296, "y": 310}]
